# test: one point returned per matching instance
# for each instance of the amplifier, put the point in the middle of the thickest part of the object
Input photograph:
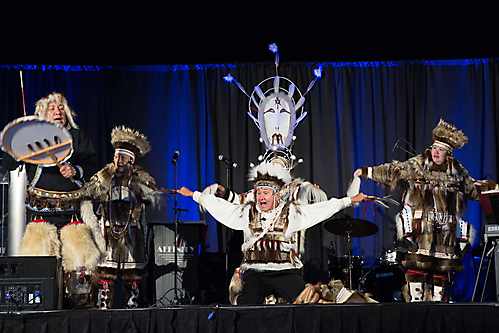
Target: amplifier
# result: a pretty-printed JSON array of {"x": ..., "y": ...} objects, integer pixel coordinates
[{"x": 28, "y": 283}]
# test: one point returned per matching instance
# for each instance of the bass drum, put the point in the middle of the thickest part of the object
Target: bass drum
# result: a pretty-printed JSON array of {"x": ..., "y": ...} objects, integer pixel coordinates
[{"x": 385, "y": 283}]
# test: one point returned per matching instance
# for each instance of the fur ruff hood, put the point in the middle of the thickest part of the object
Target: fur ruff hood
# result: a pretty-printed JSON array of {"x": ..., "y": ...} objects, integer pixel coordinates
[{"x": 144, "y": 183}]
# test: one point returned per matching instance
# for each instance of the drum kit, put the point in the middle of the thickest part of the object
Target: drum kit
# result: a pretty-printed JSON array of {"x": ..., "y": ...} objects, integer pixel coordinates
[{"x": 383, "y": 282}]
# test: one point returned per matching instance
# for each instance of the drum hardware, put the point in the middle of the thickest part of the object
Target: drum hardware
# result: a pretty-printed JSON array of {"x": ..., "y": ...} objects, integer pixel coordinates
[
  {"x": 338, "y": 269},
  {"x": 350, "y": 227},
  {"x": 388, "y": 257}
]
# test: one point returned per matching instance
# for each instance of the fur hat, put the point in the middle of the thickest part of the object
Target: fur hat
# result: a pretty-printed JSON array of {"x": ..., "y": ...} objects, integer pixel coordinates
[
  {"x": 128, "y": 141},
  {"x": 448, "y": 137},
  {"x": 270, "y": 175},
  {"x": 42, "y": 105}
]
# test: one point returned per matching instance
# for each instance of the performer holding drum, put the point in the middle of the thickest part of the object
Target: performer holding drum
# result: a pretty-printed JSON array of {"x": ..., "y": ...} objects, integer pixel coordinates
[
  {"x": 59, "y": 160},
  {"x": 435, "y": 188}
]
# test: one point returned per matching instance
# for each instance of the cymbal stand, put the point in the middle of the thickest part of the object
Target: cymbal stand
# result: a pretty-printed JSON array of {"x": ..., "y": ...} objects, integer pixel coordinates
[{"x": 350, "y": 263}]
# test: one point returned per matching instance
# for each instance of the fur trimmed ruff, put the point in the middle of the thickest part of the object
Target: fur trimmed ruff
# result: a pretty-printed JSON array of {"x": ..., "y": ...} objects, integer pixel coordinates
[
  {"x": 40, "y": 239},
  {"x": 78, "y": 247},
  {"x": 100, "y": 183}
]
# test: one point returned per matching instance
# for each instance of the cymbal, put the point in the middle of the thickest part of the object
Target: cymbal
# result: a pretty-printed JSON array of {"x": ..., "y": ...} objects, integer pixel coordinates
[{"x": 356, "y": 227}]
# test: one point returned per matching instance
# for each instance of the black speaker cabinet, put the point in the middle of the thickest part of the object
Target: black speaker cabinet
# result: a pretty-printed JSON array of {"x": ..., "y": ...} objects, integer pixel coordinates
[
  {"x": 187, "y": 272},
  {"x": 28, "y": 283},
  {"x": 213, "y": 275}
]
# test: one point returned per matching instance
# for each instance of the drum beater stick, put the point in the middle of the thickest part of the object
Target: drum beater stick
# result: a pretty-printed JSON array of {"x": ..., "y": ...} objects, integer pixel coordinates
[{"x": 22, "y": 90}]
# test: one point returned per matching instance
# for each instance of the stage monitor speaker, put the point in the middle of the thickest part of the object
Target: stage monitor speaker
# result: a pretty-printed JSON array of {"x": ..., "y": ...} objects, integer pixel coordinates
[
  {"x": 189, "y": 234},
  {"x": 28, "y": 283},
  {"x": 213, "y": 282}
]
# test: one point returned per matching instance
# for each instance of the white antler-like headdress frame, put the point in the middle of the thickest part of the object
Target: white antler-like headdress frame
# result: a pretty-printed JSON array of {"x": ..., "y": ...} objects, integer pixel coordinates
[{"x": 276, "y": 106}]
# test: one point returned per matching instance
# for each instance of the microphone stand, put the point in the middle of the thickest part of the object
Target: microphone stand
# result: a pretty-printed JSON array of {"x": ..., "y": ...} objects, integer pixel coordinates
[
  {"x": 176, "y": 299},
  {"x": 227, "y": 239}
]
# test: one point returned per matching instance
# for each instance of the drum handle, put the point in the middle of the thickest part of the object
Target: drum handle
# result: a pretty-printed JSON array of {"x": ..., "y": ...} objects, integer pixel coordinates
[
  {"x": 47, "y": 151},
  {"x": 57, "y": 163}
]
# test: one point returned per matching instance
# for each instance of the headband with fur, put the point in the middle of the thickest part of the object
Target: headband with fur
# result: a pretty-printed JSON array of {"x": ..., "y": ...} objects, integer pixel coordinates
[{"x": 269, "y": 174}]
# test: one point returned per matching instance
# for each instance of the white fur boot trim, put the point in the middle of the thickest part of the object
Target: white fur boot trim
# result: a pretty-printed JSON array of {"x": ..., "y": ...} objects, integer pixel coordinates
[
  {"x": 40, "y": 239},
  {"x": 78, "y": 247},
  {"x": 416, "y": 291}
]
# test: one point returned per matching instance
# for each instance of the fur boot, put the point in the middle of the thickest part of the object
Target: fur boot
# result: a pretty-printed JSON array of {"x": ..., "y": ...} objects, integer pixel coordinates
[
  {"x": 78, "y": 288},
  {"x": 414, "y": 290},
  {"x": 439, "y": 284},
  {"x": 105, "y": 294},
  {"x": 133, "y": 293},
  {"x": 40, "y": 239},
  {"x": 78, "y": 247},
  {"x": 236, "y": 286}
]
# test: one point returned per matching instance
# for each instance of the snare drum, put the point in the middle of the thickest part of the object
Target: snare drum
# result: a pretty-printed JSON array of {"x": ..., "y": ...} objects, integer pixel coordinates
[
  {"x": 338, "y": 269},
  {"x": 385, "y": 283}
]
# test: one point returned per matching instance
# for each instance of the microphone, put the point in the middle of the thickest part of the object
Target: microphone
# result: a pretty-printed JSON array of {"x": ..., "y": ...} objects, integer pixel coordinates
[
  {"x": 227, "y": 161},
  {"x": 175, "y": 156}
]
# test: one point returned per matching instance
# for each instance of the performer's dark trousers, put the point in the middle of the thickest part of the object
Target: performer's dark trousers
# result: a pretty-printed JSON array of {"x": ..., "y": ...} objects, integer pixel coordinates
[{"x": 287, "y": 284}]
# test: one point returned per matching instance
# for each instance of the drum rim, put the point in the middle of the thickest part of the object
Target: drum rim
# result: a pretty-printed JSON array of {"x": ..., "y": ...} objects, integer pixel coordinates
[{"x": 30, "y": 118}]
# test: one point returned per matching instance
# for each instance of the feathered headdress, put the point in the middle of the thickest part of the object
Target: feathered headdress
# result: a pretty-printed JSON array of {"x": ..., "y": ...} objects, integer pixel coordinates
[
  {"x": 448, "y": 137},
  {"x": 269, "y": 175},
  {"x": 126, "y": 140},
  {"x": 42, "y": 105}
]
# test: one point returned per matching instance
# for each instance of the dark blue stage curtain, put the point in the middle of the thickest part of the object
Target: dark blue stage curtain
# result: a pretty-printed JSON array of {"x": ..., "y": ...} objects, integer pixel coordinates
[{"x": 356, "y": 114}]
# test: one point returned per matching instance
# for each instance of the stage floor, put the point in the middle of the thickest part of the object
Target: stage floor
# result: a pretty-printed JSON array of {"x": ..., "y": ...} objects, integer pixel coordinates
[{"x": 383, "y": 318}]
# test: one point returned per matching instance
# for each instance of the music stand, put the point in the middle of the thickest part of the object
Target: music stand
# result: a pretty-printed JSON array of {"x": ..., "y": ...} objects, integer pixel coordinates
[{"x": 489, "y": 201}]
